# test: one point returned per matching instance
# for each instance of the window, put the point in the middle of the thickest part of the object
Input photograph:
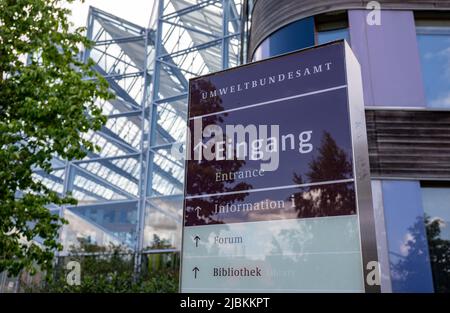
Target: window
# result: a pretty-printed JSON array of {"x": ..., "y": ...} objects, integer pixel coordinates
[
  {"x": 295, "y": 36},
  {"x": 109, "y": 216},
  {"x": 332, "y": 26},
  {"x": 433, "y": 38},
  {"x": 123, "y": 216},
  {"x": 331, "y": 35},
  {"x": 436, "y": 204},
  {"x": 304, "y": 33}
]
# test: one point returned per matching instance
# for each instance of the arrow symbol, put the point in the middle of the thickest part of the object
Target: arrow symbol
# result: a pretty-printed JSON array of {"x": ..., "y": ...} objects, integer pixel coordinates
[
  {"x": 197, "y": 147},
  {"x": 196, "y": 238},
  {"x": 195, "y": 270},
  {"x": 198, "y": 212}
]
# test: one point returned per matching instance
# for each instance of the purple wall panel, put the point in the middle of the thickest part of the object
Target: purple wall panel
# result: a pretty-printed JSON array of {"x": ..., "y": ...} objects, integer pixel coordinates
[{"x": 389, "y": 58}]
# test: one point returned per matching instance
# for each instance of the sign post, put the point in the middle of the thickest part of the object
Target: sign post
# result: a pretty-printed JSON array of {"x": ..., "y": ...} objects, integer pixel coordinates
[{"x": 277, "y": 193}]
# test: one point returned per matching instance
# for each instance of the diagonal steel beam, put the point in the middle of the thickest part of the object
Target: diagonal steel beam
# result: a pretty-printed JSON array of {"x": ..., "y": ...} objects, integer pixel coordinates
[
  {"x": 102, "y": 182},
  {"x": 61, "y": 181}
]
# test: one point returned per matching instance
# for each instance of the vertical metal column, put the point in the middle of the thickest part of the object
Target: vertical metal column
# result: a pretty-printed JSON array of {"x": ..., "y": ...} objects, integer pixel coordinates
[
  {"x": 144, "y": 165},
  {"x": 146, "y": 156},
  {"x": 225, "y": 39}
]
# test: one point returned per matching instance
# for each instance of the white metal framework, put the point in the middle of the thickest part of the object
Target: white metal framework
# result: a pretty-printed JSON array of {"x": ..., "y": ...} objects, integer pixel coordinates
[{"x": 131, "y": 192}]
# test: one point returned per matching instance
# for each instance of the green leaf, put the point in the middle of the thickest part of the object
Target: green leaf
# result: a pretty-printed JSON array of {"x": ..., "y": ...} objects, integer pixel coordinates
[{"x": 44, "y": 106}]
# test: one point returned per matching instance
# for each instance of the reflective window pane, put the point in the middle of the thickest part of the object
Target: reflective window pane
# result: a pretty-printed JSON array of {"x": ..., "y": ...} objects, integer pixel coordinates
[
  {"x": 434, "y": 50},
  {"x": 332, "y": 35},
  {"x": 100, "y": 226},
  {"x": 436, "y": 203},
  {"x": 163, "y": 223},
  {"x": 294, "y": 36}
]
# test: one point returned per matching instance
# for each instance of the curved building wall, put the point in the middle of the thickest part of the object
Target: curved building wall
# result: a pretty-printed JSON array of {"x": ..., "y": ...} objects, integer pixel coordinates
[
  {"x": 269, "y": 15},
  {"x": 406, "y": 132}
]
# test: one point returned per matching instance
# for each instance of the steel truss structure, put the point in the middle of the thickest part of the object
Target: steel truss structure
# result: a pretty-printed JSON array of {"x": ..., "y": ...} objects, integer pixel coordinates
[{"x": 131, "y": 192}]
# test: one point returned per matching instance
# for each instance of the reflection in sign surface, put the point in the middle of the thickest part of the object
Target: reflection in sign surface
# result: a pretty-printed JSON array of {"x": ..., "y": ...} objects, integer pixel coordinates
[{"x": 276, "y": 187}]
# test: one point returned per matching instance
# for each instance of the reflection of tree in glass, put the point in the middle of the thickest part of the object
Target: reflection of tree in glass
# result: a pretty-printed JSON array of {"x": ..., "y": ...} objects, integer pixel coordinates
[
  {"x": 439, "y": 255},
  {"x": 332, "y": 163},
  {"x": 159, "y": 243},
  {"x": 292, "y": 239},
  {"x": 408, "y": 272},
  {"x": 202, "y": 176},
  {"x": 200, "y": 106}
]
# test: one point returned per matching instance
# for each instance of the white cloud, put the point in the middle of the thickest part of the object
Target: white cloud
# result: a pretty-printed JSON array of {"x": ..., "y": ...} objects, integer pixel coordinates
[
  {"x": 441, "y": 101},
  {"x": 405, "y": 245}
]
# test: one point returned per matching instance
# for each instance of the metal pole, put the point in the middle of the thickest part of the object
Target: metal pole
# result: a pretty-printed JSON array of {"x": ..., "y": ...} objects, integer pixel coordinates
[
  {"x": 146, "y": 163},
  {"x": 225, "y": 40}
]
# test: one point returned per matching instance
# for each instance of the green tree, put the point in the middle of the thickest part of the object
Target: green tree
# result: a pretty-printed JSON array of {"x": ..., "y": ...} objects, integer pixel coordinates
[
  {"x": 439, "y": 255},
  {"x": 47, "y": 98},
  {"x": 111, "y": 269}
]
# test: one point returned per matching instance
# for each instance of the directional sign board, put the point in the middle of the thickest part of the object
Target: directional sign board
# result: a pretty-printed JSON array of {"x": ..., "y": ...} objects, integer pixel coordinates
[{"x": 277, "y": 193}]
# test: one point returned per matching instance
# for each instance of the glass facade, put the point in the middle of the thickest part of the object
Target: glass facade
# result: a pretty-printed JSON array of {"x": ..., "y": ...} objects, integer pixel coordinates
[
  {"x": 434, "y": 50},
  {"x": 294, "y": 36},
  {"x": 415, "y": 215},
  {"x": 331, "y": 35},
  {"x": 332, "y": 26},
  {"x": 406, "y": 237},
  {"x": 303, "y": 33},
  {"x": 436, "y": 203},
  {"x": 130, "y": 193}
]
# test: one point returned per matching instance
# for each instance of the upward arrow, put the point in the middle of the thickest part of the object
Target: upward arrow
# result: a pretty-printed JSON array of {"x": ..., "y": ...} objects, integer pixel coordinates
[
  {"x": 198, "y": 211},
  {"x": 196, "y": 238},
  {"x": 195, "y": 270}
]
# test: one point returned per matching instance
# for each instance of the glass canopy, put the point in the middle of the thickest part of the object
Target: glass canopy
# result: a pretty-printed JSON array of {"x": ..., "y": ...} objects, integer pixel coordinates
[{"x": 130, "y": 193}]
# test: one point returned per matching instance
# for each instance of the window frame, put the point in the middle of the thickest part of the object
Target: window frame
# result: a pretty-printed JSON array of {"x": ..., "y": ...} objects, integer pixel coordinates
[
  {"x": 331, "y": 21},
  {"x": 431, "y": 24}
]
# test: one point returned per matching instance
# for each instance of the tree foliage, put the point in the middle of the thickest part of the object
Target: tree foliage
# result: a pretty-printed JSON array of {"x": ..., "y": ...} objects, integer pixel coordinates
[
  {"x": 331, "y": 163},
  {"x": 439, "y": 255},
  {"x": 111, "y": 269},
  {"x": 47, "y": 100},
  {"x": 408, "y": 271}
]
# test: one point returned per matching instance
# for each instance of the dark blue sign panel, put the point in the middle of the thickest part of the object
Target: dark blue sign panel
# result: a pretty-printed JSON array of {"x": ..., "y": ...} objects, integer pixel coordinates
[{"x": 277, "y": 195}]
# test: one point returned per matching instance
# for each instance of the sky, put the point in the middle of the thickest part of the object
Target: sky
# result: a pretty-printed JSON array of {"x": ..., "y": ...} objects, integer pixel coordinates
[{"x": 136, "y": 11}]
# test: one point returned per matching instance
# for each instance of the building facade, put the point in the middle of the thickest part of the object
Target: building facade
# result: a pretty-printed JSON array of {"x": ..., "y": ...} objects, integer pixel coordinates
[
  {"x": 131, "y": 192},
  {"x": 403, "y": 48}
]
